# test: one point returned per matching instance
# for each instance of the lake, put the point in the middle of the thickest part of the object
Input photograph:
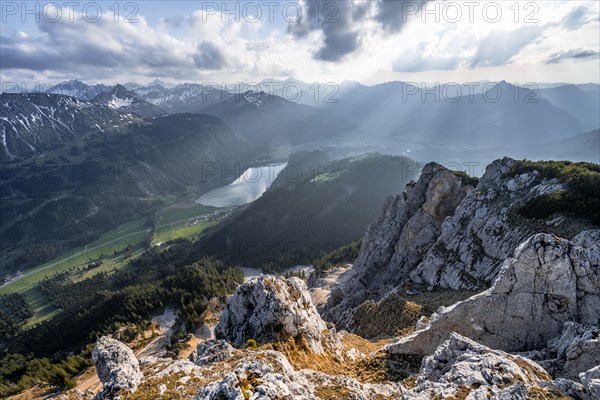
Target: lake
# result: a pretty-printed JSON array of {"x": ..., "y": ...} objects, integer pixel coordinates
[{"x": 245, "y": 189}]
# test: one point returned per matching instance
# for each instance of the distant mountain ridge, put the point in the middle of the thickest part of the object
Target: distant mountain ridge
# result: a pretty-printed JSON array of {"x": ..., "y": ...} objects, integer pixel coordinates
[
  {"x": 119, "y": 98},
  {"x": 52, "y": 203},
  {"x": 270, "y": 121},
  {"x": 36, "y": 122}
]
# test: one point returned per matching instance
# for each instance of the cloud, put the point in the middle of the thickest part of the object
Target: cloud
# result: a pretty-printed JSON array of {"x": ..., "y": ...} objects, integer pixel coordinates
[
  {"x": 416, "y": 60},
  {"x": 343, "y": 23},
  {"x": 497, "y": 48},
  {"x": 578, "y": 17},
  {"x": 106, "y": 49},
  {"x": 576, "y": 54},
  {"x": 209, "y": 57},
  {"x": 393, "y": 14}
]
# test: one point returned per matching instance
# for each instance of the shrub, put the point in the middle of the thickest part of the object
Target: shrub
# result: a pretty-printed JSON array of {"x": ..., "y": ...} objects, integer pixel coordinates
[
  {"x": 251, "y": 344},
  {"x": 581, "y": 197},
  {"x": 466, "y": 179}
]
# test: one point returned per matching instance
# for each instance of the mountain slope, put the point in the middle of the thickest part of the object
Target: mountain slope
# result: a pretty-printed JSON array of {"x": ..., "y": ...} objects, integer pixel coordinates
[
  {"x": 189, "y": 97},
  {"x": 35, "y": 122},
  {"x": 271, "y": 121},
  {"x": 500, "y": 115},
  {"x": 103, "y": 179},
  {"x": 119, "y": 98},
  {"x": 582, "y": 104},
  {"x": 78, "y": 89},
  {"x": 297, "y": 220}
]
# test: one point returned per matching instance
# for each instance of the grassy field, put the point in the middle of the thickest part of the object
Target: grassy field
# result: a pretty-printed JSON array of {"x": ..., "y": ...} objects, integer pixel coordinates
[
  {"x": 173, "y": 214},
  {"x": 172, "y": 224},
  {"x": 180, "y": 230},
  {"x": 132, "y": 232},
  {"x": 42, "y": 308}
]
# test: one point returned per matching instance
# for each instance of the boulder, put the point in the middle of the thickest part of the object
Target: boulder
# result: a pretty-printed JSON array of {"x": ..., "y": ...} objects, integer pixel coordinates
[
  {"x": 116, "y": 366},
  {"x": 268, "y": 309},
  {"x": 211, "y": 352},
  {"x": 591, "y": 380}
]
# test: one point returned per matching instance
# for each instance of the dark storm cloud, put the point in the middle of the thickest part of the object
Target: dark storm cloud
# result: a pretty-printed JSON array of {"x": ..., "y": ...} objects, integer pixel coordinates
[
  {"x": 393, "y": 14},
  {"x": 209, "y": 56},
  {"x": 572, "y": 55},
  {"x": 342, "y": 23},
  {"x": 103, "y": 48}
]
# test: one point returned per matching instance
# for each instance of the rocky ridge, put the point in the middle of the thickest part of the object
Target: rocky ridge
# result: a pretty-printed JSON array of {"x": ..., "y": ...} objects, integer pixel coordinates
[
  {"x": 396, "y": 241},
  {"x": 268, "y": 309},
  {"x": 533, "y": 334},
  {"x": 442, "y": 233},
  {"x": 456, "y": 367},
  {"x": 549, "y": 283}
]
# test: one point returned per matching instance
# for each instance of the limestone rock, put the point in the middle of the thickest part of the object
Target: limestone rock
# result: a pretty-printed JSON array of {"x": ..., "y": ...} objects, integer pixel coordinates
[
  {"x": 211, "y": 352},
  {"x": 577, "y": 349},
  {"x": 591, "y": 381},
  {"x": 268, "y": 377},
  {"x": 116, "y": 365},
  {"x": 268, "y": 309},
  {"x": 476, "y": 240},
  {"x": 409, "y": 224},
  {"x": 550, "y": 281},
  {"x": 462, "y": 368}
]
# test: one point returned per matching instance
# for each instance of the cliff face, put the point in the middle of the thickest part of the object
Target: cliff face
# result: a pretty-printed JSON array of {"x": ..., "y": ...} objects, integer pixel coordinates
[
  {"x": 481, "y": 234},
  {"x": 396, "y": 242},
  {"x": 548, "y": 283},
  {"x": 442, "y": 233}
]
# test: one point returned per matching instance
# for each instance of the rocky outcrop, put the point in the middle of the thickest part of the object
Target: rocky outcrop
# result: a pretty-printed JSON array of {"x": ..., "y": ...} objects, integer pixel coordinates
[
  {"x": 396, "y": 242},
  {"x": 481, "y": 234},
  {"x": 116, "y": 365},
  {"x": 462, "y": 368},
  {"x": 549, "y": 282},
  {"x": 269, "y": 375},
  {"x": 440, "y": 233},
  {"x": 211, "y": 352},
  {"x": 591, "y": 381},
  {"x": 576, "y": 350},
  {"x": 269, "y": 309}
]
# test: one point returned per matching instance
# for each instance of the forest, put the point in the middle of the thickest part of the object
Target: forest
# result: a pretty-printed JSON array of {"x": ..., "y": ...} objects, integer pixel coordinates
[
  {"x": 298, "y": 222},
  {"x": 56, "y": 350}
]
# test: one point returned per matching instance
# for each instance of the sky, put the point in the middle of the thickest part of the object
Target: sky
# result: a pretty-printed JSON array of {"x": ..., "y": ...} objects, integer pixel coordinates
[{"x": 311, "y": 40}]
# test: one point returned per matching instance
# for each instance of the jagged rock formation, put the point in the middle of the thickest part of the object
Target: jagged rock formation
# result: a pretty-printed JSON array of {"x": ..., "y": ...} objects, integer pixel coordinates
[
  {"x": 591, "y": 381},
  {"x": 439, "y": 233},
  {"x": 211, "y": 351},
  {"x": 116, "y": 365},
  {"x": 460, "y": 366},
  {"x": 550, "y": 281},
  {"x": 577, "y": 349},
  {"x": 481, "y": 234},
  {"x": 269, "y": 309},
  {"x": 397, "y": 240}
]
